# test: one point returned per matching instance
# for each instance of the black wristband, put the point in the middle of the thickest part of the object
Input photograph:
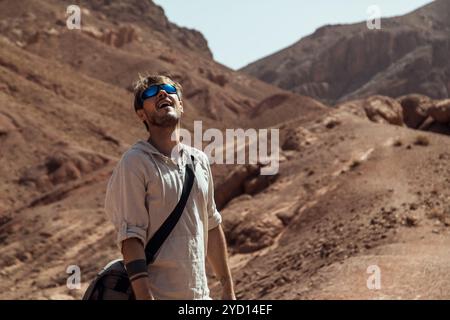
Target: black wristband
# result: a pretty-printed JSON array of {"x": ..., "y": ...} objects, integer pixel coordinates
[{"x": 136, "y": 269}]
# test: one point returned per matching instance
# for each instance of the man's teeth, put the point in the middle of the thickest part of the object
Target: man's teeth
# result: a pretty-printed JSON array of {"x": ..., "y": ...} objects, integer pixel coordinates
[{"x": 165, "y": 104}]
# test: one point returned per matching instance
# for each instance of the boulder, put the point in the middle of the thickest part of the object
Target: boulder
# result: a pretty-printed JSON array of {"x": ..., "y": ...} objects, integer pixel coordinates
[
  {"x": 298, "y": 138},
  {"x": 255, "y": 233},
  {"x": 440, "y": 111},
  {"x": 415, "y": 108},
  {"x": 354, "y": 107},
  {"x": 233, "y": 184},
  {"x": 61, "y": 167},
  {"x": 259, "y": 183},
  {"x": 117, "y": 38},
  {"x": 383, "y": 109}
]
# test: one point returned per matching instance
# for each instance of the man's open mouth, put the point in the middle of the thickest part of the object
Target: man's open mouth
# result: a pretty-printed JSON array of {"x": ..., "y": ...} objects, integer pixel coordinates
[{"x": 164, "y": 104}]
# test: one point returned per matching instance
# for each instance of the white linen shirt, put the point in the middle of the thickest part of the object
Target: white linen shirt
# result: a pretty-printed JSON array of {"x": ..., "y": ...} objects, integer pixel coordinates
[{"x": 144, "y": 188}]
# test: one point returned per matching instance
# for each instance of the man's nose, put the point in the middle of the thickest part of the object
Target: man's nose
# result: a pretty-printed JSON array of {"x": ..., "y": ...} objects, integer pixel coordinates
[{"x": 162, "y": 93}]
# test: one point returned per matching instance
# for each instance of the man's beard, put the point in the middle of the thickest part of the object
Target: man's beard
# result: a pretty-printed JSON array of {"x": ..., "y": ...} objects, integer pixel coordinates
[{"x": 165, "y": 120}]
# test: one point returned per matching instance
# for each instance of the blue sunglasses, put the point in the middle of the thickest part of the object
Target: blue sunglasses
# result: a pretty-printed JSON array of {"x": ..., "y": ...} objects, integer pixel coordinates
[{"x": 155, "y": 89}]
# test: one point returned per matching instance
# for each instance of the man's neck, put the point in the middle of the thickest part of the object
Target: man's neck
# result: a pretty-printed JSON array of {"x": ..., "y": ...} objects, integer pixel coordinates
[{"x": 161, "y": 139}]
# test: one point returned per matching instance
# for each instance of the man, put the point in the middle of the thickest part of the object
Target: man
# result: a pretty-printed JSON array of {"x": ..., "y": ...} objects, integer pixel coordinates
[{"x": 145, "y": 187}]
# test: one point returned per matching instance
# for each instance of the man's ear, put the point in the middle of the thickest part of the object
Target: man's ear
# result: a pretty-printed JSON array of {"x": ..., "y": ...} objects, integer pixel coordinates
[
  {"x": 181, "y": 106},
  {"x": 141, "y": 114}
]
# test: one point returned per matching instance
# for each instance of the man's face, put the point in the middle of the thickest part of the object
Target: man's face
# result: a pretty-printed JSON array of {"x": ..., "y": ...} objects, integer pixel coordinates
[{"x": 162, "y": 110}]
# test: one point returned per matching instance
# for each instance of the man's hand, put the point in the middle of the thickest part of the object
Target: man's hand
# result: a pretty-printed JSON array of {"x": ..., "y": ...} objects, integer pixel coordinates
[
  {"x": 133, "y": 249},
  {"x": 217, "y": 257}
]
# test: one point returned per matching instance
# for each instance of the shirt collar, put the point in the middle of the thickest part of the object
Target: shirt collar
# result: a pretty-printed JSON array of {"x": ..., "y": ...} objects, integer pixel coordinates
[{"x": 183, "y": 151}]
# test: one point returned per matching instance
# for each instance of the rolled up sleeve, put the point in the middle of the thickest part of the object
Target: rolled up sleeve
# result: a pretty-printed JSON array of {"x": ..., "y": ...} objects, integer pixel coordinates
[
  {"x": 125, "y": 200},
  {"x": 214, "y": 217}
]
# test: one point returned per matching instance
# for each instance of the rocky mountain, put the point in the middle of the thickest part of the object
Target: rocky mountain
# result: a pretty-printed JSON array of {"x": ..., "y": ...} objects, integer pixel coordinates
[
  {"x": 409, "y": 54},
  {"x": 361, "y": 184},
  {"x": 73, "y": 87}
]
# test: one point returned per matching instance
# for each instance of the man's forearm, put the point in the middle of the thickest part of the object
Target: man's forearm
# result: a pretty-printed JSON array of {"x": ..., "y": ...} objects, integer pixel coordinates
[
  {"x": 133, "y": 249},
  {"x": 218, "y": 258}
]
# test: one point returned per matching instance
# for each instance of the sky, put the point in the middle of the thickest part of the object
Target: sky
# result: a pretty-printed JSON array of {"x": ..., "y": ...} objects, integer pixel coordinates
[{"x": 242, "y": 31}]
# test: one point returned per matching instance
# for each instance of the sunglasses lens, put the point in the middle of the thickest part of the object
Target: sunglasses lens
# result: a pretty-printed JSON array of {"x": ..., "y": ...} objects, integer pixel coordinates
[
  {"x": 150, "y": 92},
  {"x": 153, "y": 90},
  {"x": 169, "y": 88}
]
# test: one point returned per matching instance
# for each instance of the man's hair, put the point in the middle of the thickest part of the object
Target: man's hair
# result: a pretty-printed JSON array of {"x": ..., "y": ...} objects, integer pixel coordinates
[{"x": 144, "y": 82}]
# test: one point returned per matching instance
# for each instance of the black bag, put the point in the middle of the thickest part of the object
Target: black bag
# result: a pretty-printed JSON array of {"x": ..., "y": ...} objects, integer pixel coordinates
[{"x": 112, "y": 282}]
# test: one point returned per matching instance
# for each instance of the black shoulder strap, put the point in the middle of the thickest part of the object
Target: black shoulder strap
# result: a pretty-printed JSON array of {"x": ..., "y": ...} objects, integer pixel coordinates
[{"x": 166, "y": 228}]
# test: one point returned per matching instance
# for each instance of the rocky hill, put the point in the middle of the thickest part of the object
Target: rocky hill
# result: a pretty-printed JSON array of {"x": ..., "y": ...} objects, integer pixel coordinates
[{"x": 341, "y": 62}]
